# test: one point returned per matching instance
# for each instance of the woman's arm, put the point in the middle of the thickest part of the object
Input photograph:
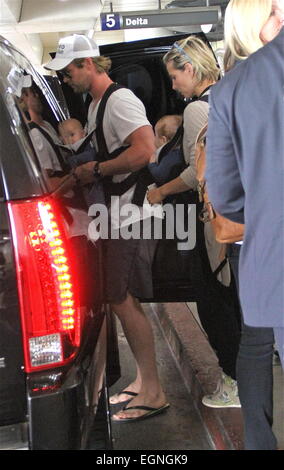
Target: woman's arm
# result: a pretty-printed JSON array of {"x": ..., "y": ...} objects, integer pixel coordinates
[
  {"x": 195, "y": 117},
  {"x": 172, "y": 187}
]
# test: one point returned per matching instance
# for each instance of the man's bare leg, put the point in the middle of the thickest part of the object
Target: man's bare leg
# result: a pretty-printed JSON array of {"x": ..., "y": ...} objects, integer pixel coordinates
[
  {"x": 138, "y": 332},
  {"x": 134, "y": 387}
]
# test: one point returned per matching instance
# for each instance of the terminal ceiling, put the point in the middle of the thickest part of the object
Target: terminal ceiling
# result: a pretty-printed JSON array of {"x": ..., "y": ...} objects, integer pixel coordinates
[{"x": 34, "y": 26}]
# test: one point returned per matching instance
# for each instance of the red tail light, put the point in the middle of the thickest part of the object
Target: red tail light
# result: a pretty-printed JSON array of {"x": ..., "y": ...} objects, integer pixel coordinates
[{"x": 46, "y": 284}]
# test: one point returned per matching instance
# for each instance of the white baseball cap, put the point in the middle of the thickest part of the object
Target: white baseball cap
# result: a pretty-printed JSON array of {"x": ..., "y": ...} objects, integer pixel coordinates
[
  {"x": 18, "y": 81},
  {"x": 73, "y": 47}
]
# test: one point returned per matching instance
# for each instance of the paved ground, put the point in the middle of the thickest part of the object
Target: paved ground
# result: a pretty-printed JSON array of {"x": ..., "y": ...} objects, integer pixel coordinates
[{"x": 180, "y": 428}]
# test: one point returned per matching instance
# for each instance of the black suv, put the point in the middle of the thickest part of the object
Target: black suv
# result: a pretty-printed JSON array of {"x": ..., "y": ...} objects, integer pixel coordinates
[{"x": 58, "y": 349}]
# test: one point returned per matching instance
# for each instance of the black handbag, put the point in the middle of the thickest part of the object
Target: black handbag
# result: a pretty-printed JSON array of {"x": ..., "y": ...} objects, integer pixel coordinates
[{"x": 173, "y": 267}]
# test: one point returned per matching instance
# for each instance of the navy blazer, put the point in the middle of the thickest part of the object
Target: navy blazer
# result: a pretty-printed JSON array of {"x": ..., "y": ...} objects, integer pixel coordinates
[{"x": 245, "y": 174}]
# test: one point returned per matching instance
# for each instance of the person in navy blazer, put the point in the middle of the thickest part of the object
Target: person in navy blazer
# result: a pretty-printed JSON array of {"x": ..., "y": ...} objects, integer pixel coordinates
[{"x": 245, "y": 181}]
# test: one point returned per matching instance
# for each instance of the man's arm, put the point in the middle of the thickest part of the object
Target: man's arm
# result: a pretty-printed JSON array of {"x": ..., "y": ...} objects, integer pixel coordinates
[
  {"x": 223, "y": 180},
  {"x": 137, "y": 155}
]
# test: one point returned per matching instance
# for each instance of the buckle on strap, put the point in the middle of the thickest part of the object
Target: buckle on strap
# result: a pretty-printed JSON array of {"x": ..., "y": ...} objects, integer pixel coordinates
[{"x": 207, "y": 214}]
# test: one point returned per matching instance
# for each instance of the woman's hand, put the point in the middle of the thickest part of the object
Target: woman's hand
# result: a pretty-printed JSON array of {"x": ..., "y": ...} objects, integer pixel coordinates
[
  {"x": 155, "y": 196},
  {"x": 153, "y": 158}
]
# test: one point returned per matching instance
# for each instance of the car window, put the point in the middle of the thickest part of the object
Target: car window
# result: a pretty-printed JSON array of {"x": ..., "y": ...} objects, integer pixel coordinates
[
  {"x": 147, "y": 77},
  {"x": 19, "y": 176},
  {"x": 137, "y": 78},
  {"x": 34, "y": 115}
]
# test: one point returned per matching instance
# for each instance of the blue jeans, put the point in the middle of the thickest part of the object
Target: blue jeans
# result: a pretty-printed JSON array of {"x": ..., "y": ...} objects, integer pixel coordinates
[{"x": 255, "y": 378}]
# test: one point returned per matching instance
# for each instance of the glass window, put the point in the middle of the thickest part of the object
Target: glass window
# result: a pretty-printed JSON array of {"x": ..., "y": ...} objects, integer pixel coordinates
[
  {"x": 148, "y": 79},
  {"x": 34, "y": 116}
]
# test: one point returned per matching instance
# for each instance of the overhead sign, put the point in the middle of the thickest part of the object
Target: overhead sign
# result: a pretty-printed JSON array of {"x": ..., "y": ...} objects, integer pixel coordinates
[{"x": 160, "y": 18}]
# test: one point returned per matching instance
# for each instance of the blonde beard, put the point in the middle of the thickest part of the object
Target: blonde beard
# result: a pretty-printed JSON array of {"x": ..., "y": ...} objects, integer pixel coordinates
[{"x": 81, "y": 88}]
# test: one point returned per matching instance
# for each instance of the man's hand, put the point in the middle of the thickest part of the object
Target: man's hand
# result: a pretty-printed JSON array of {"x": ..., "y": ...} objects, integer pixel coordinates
[{"x": 85, "y": 172}]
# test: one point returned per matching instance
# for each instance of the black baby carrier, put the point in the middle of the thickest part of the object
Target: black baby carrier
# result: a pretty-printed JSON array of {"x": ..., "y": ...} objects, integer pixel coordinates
[{"x": 141, "y": 178}]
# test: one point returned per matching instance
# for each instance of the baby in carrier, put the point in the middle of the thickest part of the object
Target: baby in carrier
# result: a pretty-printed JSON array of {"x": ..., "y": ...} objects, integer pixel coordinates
[
  {"x": 74, "y": 138},
  {"x": 166, "y": 164}
]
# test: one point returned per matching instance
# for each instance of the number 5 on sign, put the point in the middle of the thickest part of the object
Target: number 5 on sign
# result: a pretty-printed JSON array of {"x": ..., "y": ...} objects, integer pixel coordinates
[{"x": 110, "y": 21}]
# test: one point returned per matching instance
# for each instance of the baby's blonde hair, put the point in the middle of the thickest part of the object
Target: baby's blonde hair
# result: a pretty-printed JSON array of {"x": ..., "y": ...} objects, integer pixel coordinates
[
  {"x": 62, "y": 124},
  {"x": 194, "y": 51},
  {"x": 244, "y": 20},
  {"x": 168, "y": 125}
]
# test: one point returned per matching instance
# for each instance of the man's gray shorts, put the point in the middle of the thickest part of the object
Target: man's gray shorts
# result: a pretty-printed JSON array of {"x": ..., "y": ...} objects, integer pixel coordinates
[{"x": 128, "y": 268}]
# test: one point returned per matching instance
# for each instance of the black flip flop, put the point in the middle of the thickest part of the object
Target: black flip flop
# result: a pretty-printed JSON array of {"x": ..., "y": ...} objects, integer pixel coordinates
[
  {"x": 127, "y": 392},
  {"x": 151, "y": 412}
]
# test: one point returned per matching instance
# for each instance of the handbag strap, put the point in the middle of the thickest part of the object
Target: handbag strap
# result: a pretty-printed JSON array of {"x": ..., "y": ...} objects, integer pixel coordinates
[{"x": 221, "y": 266}]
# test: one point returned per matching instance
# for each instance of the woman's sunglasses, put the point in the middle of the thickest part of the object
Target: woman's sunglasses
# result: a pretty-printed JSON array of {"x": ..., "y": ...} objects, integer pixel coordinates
[{"x": 181, "y": 51}]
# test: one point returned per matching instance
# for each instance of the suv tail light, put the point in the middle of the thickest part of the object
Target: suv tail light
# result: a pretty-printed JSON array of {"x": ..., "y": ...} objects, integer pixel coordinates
[{"x": 47, "y": 294}]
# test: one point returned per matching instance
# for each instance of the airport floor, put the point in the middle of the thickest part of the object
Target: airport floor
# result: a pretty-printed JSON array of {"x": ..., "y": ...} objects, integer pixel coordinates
[
  {"x": 278, "y": 390},
  {"x": 182, "y": 426}
]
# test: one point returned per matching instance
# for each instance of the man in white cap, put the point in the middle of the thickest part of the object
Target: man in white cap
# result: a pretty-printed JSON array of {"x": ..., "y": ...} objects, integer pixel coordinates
[{"x": 128, "y": 262}]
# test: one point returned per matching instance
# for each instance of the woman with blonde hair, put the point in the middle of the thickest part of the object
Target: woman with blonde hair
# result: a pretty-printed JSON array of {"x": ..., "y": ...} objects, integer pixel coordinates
[
  {"x": 242, "y": 26},
  {"x": 193, "y": 69},
  {"x": 244, "y": 152}
]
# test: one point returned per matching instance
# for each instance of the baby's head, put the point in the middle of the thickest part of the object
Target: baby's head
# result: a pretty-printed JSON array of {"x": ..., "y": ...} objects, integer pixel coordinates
[
  {"x": 71, "y": 131},
  {"x": 166, "y": 128}
]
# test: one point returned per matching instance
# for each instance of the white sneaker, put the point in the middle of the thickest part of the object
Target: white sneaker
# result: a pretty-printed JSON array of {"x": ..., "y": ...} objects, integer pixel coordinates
[{"x": 225, "y": 396}]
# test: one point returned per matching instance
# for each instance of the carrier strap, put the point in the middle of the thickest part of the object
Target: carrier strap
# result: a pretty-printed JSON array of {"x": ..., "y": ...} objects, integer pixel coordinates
[
  {"x": 174, "y": 142},
  {"x": 102, "y": 146},
  {"x": 141, "y": 178}
]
